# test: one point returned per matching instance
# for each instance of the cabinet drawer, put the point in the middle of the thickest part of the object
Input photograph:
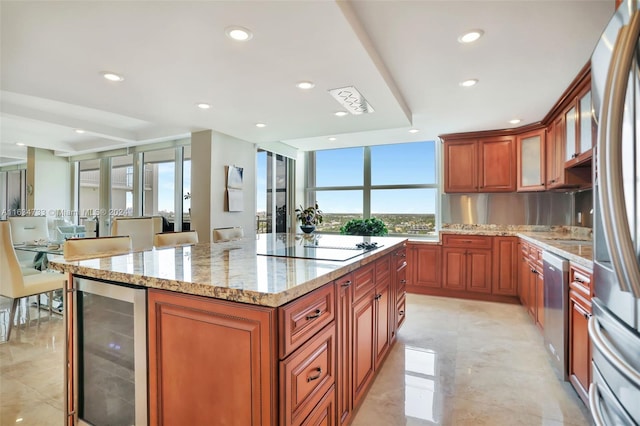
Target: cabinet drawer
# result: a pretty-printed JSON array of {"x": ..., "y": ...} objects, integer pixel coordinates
[
  {"x": 323, "y": 414},
  {"x": 363, "y": 280},
  {"x": 466, "y": 241},
  {"x": 307, "y": 375},
  {"x": 304, "y": 317},
  {"x": 400, "y": 258},
  {"x": 580, "y": 279}
]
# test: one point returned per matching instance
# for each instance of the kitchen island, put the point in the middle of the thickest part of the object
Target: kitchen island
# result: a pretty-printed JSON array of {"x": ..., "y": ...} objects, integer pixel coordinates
[{"x": 240, "y": 332}]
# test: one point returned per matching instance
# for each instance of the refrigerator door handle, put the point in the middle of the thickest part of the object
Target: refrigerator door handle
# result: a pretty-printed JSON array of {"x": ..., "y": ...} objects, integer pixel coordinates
[
  {"x": 618, "y": 235},
  {"x": 594, "y": 404},
  {"x": 600, "y": 343}
]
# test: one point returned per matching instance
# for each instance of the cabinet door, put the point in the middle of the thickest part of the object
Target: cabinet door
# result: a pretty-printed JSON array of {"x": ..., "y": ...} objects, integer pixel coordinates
[
  {"x": 460, "y": 166},
  {"x": 179, "y": 392},
  {"x": 497, "y": 165},
  {"x": 523, "y": 280},
  {"x": 363, "y": 315},
  {"x": 586, "y": 128},
  {"x": 453, "y": 268},
  {"x": 555, "y": 155},
  {"x": 579, "y": 347},
  {"x": 531, "y": 289},
  {"x": 531, "y": 159},
  {"x": 570, "y": 140},
  {"x": 344, "y": 348},
  {"x": 478, "y": 270},
  {"x": 426, "y": 266},
  {"x": 383, "y": 320},
  {"x": 505, "y": 266}
]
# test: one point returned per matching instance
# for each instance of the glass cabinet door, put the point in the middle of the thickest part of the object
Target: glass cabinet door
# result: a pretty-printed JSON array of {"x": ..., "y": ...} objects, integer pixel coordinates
[
  {"x": 570, "y": 134},
  {"x": 586, "y": 135},
  {"x": 531, "y": 161}
]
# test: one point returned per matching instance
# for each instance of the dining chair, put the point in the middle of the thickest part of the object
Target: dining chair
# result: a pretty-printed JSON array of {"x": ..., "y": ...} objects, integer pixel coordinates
[
  {"x": 14, "y": 283},
  {"x": 175, "y": 239},
  {"x": 89, "y": 248},
  {"x": 227, "y": 234},
  {"x": 29, "y": 228},
  {"x": 140, "y": 229}
]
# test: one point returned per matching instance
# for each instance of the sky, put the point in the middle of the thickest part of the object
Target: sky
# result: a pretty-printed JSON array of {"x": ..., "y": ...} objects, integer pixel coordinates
[
  {"x": 397, "y": 164},
  {"x": 166, "y": 185}
]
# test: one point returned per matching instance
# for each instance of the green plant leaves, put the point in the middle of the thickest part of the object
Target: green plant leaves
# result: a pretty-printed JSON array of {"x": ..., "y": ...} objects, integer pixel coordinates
[{"x": 366, "y": 227}]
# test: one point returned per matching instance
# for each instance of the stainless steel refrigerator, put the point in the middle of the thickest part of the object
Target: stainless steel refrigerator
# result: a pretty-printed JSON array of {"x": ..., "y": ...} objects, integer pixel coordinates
[{"x": 614, "y": 328}]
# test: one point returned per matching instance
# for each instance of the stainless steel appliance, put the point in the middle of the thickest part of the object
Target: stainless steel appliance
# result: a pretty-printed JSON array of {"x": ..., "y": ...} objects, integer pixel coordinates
[
  {"x": 614, "y": 328},
  {"x": 106, "y": 356},
  {"x": 556, "y": 308}
]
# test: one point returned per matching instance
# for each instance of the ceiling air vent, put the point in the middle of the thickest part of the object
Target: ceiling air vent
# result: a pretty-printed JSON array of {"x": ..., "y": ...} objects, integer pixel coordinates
[{"x": 352, "y": 100}]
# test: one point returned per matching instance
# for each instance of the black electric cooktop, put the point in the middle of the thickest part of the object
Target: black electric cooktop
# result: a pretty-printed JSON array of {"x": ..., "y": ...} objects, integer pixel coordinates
[{"x": 335, "y": 249}]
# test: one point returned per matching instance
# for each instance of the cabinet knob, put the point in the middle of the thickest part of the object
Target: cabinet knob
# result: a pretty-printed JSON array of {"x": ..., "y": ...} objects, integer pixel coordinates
[
  {"x": 403, "y": 281},
  {"x": 315, "y": 315},
  {"x": 401, "y": 312},
  {"x": 316, "y": 376},
  {"x": 346, "y": 283},
  {"x": 378, "y": 296}
]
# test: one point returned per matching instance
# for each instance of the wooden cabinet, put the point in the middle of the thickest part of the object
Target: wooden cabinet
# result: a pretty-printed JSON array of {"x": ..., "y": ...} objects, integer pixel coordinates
[
  {"x": 466, "y": 264},
  {"x": 531, "y": 282},
  {"x": 426, "y": 261},
  {"x": 185, "y": 366},
  {"x": 364, "y": 331},
  {"x": 398, "y": 289},
  {"x": 531, "y": 161},
  {"x": 505, "y": 266},
  {"x": 580, "y": 293},
  {"x": 344, "y": 348},
  {"x": 580, "y": 130},
  {"x": 484, "y": 165}
]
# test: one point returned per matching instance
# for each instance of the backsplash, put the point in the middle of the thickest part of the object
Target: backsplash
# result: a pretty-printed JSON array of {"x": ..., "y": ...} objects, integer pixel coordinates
[{"x": 531, "y": 208}]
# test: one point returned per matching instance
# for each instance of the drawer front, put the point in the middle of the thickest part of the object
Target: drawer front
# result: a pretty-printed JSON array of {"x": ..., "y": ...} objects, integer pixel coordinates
[
  {"x": 324, "y": 413},
  {"x": 466, "y": 241},
  {"x": 307, "y": 375},
  {"x": 400, "y": 258},
  {"x": 581, "y": 279},
  {"x": 304, "y": 317},
  {"x": 363, "y": 280}
]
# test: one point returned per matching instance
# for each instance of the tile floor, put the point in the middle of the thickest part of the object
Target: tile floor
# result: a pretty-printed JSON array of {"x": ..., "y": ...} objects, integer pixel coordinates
[{"x": 456, "y": 362}]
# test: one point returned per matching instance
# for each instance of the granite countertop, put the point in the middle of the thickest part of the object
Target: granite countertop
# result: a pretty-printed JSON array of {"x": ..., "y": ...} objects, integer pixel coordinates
[
  {"x": 572, "y": 243},
  {"x": 234, "y": 270}
]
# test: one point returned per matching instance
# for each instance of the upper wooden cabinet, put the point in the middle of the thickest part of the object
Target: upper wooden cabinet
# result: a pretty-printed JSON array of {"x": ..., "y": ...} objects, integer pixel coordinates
[
  {"x": 480, "y": 165},
  {"x": 580, "y": 130},
  {"x": 531, "y": 166}
]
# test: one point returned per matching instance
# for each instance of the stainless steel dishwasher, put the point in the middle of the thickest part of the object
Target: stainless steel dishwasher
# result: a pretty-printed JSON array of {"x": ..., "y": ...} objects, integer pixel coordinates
[{"x": 556, "y": 312}]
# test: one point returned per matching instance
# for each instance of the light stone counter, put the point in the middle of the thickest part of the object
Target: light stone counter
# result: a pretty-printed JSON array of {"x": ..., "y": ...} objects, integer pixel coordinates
[{"x": 232, "y": 270}]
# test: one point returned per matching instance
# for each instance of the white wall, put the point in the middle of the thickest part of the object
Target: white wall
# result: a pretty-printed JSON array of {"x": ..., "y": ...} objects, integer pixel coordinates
[
  {"x": 50, "y": 178},
  {"x": 210, "y": 153}
]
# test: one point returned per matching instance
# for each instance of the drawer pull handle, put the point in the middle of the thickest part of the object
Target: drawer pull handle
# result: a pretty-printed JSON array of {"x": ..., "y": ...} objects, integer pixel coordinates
[
  {"x": 316, "y": 377},
  {"x": 346, "y": 283},
  {"x": 578, "y": 280},
  {"x": 401, "y": 311},
  {"x": 378, "y": 296},
  {"x": 315, "y": 315},
  {"x": 403, "y": 281}
]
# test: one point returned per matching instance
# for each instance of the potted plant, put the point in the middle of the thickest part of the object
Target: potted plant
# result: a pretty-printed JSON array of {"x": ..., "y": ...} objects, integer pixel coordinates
[
  {"x": 367, "y": 227},
  {"x": 309, "y": 217}
]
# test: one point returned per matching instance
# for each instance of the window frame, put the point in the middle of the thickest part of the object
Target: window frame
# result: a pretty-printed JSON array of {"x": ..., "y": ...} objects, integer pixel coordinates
[{"x": 366, "y": 188}]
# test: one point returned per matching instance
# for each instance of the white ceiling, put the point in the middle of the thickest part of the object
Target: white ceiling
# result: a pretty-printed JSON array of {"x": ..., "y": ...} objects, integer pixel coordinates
[{"x": 403, "y": 56}]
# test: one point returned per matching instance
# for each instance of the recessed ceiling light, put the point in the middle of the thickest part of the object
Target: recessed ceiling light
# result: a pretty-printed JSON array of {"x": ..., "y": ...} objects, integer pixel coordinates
[
  {"x": 112, "y": 76},
  {"x": 332, "y": 138},
  {"x": 79, "y": 131},
  {"x": 261, "y": 125},
  {"x": 203, "y": 105},
  {"x": 19, "y": 144},
  {"x": 238, "y": 33},
  {"x": 340, "y": 113},
  {"x": 469, "y": 83},
  {"x": 414, "y": 131},
  {"x": 305, "y": 85},
  {"x": 470, "y": 36},
  {"x": 515, "y": 121}
]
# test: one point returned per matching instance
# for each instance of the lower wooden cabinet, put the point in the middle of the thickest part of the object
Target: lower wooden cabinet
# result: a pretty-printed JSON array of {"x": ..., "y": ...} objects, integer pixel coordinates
[
  {"x": 309, "y": 362},
  {"x": 227, "y": 355},
  {"x": 505, "y": 272},
  {"x": 426, "y": 266},
  {"x": 467, "y": 269},
  {"x": 580, "y": 293}
]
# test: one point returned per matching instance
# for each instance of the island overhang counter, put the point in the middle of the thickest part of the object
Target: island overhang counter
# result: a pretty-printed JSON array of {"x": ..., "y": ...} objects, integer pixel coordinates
[{"x": 242, "y": 332}]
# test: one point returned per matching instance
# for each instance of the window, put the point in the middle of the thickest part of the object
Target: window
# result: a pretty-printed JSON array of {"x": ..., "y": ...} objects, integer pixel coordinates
[
  {"x": 272, "y": 195},
  {"x": 122, "y": 185},
  {"x": 158, "y": 179},
  {"x": 396, "y": 183}
]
